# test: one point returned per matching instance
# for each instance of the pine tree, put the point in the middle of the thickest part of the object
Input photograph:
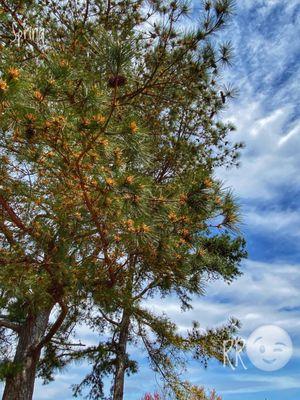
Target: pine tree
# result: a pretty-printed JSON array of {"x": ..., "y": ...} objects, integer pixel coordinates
[{"x": 109, "y": 141}]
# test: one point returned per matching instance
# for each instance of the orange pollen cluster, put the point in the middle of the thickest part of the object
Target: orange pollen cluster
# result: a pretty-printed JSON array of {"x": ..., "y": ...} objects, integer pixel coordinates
[
  {"x": 110, "y": 181},
  {"x": 85, "y": 122},
  {"x": 144, "y": 228},
  {"x": 185, "y": 232},
  {"x": 38, "y": 95},
  {"x": 130, "y": 225},
  {"x": 133, "y": 127},
  {"x": 64, "y": 63},
  {"x": 58, "y": 121},
  {"x": 201, "y": 252},
  {"x": 183, "y": 199},
  {"x": 172, "y": 216},
  {"x": 218, "y": 200},
  {"x": 208, "y": 183},
  {"x": 31, "y": 117},
  {"x": 129, "y": 179},
  {"x": 3, "y": 85},
  {"x": 100, "y": 119},
  {"x": 117, "y": 238},
  {"x": 13, "y": 73},
  {"x": 103, "y": 142}
]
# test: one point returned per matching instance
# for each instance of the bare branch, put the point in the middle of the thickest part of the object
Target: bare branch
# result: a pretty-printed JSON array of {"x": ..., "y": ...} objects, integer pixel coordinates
[
  {"x": 55, "y": 327},
  {"x": 9, "y": 325}
]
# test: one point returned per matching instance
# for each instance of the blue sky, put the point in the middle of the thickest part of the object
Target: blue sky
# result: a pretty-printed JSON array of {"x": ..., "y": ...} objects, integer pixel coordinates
[{"x": 266, "y": 69}]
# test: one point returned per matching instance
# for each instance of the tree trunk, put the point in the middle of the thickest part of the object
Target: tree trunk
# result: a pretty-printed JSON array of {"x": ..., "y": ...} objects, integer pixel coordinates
[
  {"x": 20, "y": 386},
  {"x": 121, "y": 359}
]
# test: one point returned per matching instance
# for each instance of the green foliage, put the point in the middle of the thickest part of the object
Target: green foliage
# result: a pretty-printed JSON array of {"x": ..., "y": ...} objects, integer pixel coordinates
[
  {"x": 9, "y": 369},
  {"x": 109, "y": 142}
]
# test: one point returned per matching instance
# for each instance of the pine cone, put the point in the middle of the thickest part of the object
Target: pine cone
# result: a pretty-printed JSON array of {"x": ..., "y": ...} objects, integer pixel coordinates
[
  {"x": 117, "y": 81},
  {"x": 30, "y": 132}
]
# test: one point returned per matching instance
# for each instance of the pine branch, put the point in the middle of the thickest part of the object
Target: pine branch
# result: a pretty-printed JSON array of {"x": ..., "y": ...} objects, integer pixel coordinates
[
  {"x": 9, "y": 325},
  {"x": 54, "y": 328},
  {"x": 13, "y": 216}
]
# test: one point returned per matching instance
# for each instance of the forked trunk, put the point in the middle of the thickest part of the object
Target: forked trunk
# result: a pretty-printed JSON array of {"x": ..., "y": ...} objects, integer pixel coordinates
[{"x": 20, "y": 385}]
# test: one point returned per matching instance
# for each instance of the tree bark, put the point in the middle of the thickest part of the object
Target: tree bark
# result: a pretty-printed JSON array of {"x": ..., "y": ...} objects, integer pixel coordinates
[
  {"x": 121, "y": 358},
  {"x": 20, "y": 385}
]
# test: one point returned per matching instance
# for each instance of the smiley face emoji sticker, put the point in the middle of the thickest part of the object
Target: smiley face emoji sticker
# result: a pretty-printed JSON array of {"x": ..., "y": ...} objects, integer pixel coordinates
[{"x": 269, "y": 348}]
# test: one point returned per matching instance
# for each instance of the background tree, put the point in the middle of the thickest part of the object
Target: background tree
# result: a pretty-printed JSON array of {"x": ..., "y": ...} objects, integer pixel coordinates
[
  {"x": 114, "y": 121},
  {"x": 41, "y": 227},
  {"x": 186, "y": 392}
]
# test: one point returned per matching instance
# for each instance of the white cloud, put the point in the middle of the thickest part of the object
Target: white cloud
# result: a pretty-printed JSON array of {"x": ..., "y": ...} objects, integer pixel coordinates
[
  {"x": 271, "y": 151},
  {"x": 257, "y": 383},
  {"x": 262, "y": 295},
  {"x": 289, "y": 135},
  {"x": 282, "y": 222}
]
